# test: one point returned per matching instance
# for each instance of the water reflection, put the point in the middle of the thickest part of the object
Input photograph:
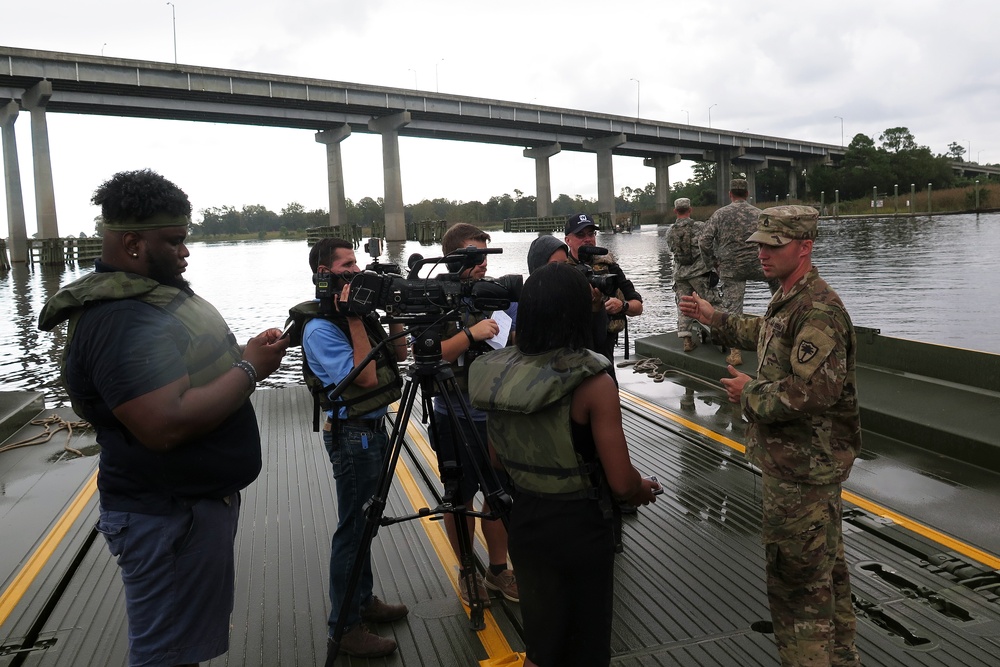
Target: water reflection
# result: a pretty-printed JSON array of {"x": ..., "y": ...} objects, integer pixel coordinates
[{"x": 920, "y": 278}]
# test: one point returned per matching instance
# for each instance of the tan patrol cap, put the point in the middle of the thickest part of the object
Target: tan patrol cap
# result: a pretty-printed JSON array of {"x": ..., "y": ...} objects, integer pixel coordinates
[{"x": 779, "y": 225}]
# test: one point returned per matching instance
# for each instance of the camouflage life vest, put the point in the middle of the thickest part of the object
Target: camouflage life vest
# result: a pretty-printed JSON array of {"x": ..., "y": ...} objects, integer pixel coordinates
[
  {"x": 357, "y": 400},
  {"x": 212, "y": 349},
  {"x": 529, "y": 399}
]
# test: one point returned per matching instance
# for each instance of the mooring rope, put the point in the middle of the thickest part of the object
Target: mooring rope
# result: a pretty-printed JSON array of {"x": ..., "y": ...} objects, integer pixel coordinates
[{"x": 52, "y": 424}]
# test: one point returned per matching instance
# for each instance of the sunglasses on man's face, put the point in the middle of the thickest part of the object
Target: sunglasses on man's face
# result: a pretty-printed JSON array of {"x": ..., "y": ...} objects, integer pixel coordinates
[{"x": 587, "y": 233}]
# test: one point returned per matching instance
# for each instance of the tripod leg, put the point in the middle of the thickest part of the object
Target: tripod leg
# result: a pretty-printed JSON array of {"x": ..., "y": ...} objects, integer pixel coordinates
[{"x": 374, "y": 510}]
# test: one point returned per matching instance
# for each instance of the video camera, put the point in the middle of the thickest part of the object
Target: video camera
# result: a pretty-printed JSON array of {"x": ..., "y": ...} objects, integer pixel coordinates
[
  {"x": 605, "y": 283},
  {"x": 413, "y": 298}
]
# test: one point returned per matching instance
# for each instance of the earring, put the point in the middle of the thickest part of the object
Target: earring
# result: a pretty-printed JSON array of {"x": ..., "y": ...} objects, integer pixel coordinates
[{"x": 135, "y": 254}]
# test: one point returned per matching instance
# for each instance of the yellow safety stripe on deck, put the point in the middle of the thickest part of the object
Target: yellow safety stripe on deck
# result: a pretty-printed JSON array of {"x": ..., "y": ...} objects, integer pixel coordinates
[
  {"x": 19, "y": 586},
  {"x": 492, "y": 638},
  {"x": 972, "y": 552}
]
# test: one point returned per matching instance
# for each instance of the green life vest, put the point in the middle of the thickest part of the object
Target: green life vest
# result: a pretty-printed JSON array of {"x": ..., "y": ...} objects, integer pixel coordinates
[
  {"x": 529, "y": 399},
  {"x": 212, "y": 349},
  {"x": 357, "y": 400}
]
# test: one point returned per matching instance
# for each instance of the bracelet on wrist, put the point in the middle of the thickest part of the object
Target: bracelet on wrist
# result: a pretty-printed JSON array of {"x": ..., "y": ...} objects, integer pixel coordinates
[
  {"x": 248, "y": 368},
  {"x": 472, "y": 340}
]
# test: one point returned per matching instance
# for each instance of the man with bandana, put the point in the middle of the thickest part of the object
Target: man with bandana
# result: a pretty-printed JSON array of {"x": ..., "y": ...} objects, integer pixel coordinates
[
  {"x": 804, "y": 434},
  {"x": 157, "y": 372}
]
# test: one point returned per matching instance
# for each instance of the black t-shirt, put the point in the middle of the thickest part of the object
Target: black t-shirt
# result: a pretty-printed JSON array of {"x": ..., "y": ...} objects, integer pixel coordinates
[{"x": 125, "y": 349}]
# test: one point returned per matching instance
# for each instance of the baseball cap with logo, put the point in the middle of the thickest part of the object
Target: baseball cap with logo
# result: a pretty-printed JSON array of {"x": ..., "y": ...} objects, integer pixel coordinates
[
  {"x": 780, "y": 225},
  {"x": 578, "y": 222}
]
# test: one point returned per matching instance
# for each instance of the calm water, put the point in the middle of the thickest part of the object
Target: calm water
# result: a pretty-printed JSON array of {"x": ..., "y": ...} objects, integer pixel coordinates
[{"x": 929, "y": 280}]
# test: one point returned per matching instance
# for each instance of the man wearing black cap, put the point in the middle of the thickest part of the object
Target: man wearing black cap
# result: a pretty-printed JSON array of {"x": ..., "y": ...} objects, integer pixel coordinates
[
  {"x": 158, "y": 373},
  {"x": 581, "y": 230}
]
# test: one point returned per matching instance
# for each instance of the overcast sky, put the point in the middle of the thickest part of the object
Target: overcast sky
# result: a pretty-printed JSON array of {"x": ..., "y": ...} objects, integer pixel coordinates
[{"x": 779, "y": 68}]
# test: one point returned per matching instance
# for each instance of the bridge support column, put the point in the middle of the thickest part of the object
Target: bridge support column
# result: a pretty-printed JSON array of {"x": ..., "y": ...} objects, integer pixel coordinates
[
  {"x": 12, "y": 185},
  {"x": 751, "y": 173},
  {"x": 543, "y": 182},
  {"x": 723, "y": 174},
  {"x": 661, "y": 163},
  {"x": 34, "y": 100},
  {"x": 388, "y": 127},
  {"x": 605, "y": 172},
  {"x": 793, "y": 179},
  {"x": 335, "y": 171}
]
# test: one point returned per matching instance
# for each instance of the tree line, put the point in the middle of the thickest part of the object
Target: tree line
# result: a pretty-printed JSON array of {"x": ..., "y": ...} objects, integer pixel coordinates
[{"x": 895, "y": 159}]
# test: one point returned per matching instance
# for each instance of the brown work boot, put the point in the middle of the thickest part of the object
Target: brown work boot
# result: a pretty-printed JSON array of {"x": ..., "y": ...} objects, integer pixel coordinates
[
  {"x": 734, "y": 358},
  {"x": 378, "y": 611},
  {"x": 689, "y": 344},
  {"x": 359, "y": 642}
]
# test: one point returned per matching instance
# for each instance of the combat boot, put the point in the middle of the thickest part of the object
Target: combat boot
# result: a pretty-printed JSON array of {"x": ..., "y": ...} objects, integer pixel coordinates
[{"x": 734, "y": 358}]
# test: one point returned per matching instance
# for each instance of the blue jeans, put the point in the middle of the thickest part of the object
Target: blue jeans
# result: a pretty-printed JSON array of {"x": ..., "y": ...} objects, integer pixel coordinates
[{"x": 356, "y": 453}]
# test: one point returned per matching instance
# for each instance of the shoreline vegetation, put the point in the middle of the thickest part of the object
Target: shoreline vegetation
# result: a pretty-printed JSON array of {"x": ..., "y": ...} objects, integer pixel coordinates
[{"x": 951, "y": 201}]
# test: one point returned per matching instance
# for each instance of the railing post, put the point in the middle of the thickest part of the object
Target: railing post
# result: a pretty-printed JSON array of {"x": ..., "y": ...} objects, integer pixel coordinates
[
  {"x": 836, "y": 203},
  {"x": 977, "y": 195},
  {"x": 928, "y": 199},
  {"x": 895, "y": 200},
  {"x": 875, "y": 200},
  {"x": 913, "y": 198}
]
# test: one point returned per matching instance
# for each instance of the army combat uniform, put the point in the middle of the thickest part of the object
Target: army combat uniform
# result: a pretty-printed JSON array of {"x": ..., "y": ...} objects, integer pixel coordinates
[
  {"x": 726, "y": 232},
  {"x": 691, "y": 268},
  {"x": 804, "y": 434}
]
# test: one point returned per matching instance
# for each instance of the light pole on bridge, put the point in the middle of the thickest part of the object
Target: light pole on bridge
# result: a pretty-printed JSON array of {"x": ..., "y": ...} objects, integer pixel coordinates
[
  {"x": 437, "y": 88},
  {"x": 173, "y": 15},
  {"x": 414, "y": 77},
  {"x": 841, "y": 131},
  {"x": 688, "y": 115},
  {"x": 710, "y": 114},
  {"x": 637, "y": 89}
]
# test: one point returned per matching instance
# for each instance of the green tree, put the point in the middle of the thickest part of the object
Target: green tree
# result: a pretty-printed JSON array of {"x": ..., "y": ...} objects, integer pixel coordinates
[
  {"x": 955, "y": 151},
  {"x": 897, "y": 139}
]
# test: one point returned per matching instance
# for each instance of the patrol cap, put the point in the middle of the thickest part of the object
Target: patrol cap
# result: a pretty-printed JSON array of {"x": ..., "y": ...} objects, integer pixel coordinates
[
  {"x": 682, "y": 202},
  {"x": 739, "y": 184},
  {"x": 578, "y": 221},
  {"x": 779, "y": 225}
]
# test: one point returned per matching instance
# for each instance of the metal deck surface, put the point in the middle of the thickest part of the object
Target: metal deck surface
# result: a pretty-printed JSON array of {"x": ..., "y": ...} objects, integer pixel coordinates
[{"x": 689, "y": 585}]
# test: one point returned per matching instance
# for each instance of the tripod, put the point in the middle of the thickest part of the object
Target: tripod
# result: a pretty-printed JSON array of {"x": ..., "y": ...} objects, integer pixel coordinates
[{"x": 431, "y": 375}]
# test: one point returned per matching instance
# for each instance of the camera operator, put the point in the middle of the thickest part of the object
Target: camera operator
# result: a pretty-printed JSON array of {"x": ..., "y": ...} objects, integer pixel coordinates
[
  {"x": 355, "y": 438},
  {"x": 581, "y": 230},
  {"x": 460, "y": 344}
]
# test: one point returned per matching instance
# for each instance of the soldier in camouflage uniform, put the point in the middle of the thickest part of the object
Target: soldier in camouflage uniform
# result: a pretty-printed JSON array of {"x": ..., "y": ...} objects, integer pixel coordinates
[
  {"x": 804, "y": 433},
  {"x": 736, "y": 261},
  {"x": 691, "y": 270}
]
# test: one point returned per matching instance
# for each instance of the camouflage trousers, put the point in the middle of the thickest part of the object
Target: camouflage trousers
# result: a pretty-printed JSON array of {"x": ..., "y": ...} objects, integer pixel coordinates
[
  {"x": 808, "y": 583},
  {"x": 687, "y": 326},
  {"x": 732, "y": 293}
]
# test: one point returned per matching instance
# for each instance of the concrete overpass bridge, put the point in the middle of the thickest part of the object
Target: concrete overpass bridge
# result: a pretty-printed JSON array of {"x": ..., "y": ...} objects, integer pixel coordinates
[{"x": 43, "y": 81}]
